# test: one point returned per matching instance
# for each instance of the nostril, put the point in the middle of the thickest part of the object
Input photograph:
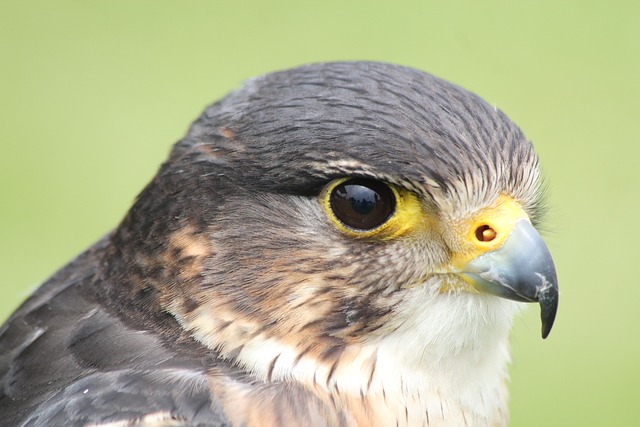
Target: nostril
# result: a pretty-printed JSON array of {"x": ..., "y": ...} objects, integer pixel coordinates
[{"x": 485, "y": 233}]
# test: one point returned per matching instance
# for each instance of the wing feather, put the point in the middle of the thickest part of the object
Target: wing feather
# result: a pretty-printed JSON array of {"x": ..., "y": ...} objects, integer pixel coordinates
[{"x": 65, "y": 359}]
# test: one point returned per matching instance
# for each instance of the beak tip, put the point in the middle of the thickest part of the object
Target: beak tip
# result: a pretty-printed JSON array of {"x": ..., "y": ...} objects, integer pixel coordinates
[
  {"x": 548, "y": 299},
  {"x": 546, "y": 329}
]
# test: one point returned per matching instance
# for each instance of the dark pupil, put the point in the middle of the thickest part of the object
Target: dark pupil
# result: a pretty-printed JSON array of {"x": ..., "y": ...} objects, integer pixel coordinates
[
  {"x": 362, "y": 204},
  {"x": 363, "y": 200}
]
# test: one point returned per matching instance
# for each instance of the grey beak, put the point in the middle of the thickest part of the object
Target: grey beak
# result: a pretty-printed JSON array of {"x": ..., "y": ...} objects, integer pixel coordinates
[{"x": 522, "y": 270}]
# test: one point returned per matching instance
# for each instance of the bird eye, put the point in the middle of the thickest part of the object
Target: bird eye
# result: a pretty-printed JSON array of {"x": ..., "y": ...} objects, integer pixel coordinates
[{"x": 362, "y": 204}]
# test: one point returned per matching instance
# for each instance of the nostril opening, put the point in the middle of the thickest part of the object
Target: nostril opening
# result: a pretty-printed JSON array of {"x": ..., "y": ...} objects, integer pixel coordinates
[{"x": 485, "y": 233}]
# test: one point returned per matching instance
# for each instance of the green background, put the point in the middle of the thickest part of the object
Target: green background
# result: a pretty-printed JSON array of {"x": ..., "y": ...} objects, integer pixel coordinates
[{"x": 93, "y": 94}]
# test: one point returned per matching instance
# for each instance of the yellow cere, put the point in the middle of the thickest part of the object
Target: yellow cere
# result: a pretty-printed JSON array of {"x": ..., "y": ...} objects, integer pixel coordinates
[
  {"x": 408, "y": 214},
  {"x": 485, "y": 231}
]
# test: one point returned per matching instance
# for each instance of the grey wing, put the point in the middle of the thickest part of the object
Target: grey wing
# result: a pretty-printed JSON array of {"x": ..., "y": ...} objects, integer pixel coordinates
[{"x": 65, "y": 360}]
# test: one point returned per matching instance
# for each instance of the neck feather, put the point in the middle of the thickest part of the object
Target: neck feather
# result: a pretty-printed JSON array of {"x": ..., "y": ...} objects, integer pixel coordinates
[{"x": 443, "y": 358}]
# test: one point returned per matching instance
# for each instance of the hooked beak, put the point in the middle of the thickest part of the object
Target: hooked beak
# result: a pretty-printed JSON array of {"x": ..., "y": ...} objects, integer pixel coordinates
[{"x": 521, "y": 269}]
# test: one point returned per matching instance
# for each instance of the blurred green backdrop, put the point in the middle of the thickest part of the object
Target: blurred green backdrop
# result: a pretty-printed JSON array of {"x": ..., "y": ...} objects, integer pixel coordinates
[{"x": 93, "y": 94}]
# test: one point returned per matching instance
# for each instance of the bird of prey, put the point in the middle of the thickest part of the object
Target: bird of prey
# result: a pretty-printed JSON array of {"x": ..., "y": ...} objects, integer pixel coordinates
[{"x": 340, "y": 244}]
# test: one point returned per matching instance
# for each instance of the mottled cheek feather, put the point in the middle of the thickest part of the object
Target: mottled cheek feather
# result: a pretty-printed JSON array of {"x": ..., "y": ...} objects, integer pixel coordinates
[
  {"x": 190, "y": 243},
  {"x": 184, "y": 257},
  {"x": 292, "y": 314}
]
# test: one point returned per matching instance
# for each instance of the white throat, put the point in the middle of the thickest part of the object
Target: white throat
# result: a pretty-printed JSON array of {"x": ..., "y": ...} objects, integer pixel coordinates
[{"x": 441, "y": 361}]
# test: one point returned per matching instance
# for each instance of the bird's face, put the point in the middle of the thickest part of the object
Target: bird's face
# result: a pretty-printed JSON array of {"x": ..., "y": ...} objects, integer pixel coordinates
[{"x": 341, "y": 204}]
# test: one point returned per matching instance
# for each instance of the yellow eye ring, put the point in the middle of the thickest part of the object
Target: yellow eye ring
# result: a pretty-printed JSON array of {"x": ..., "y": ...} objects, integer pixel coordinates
[{"x": 367, "y": 208}]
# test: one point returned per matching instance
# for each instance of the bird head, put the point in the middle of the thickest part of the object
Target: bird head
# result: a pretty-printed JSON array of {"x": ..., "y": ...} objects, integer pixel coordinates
[{"x": 340, "y": 205}]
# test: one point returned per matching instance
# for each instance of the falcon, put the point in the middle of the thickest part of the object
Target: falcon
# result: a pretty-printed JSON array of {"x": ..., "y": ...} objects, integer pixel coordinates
[{"x": 340, "y": 244}]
